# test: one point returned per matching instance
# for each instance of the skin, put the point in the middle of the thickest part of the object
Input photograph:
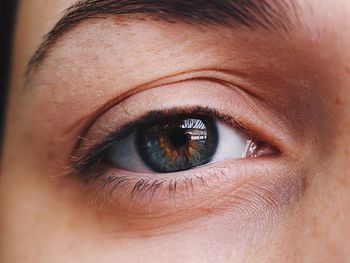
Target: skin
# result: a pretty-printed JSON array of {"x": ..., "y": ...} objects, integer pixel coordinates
[{"x": 302, "y": 82}]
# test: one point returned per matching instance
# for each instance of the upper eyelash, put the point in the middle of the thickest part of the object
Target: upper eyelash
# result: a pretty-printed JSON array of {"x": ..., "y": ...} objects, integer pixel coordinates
[{"x": 87, "y": 166}]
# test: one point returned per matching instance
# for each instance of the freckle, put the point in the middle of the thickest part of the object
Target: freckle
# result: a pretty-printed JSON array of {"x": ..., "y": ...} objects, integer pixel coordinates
[
  {"x": 344, "y": 181},
  {"x": 347, "y": 69},
  {"x": 338, "y": 101},
  {"x": 50, "y": 156}
]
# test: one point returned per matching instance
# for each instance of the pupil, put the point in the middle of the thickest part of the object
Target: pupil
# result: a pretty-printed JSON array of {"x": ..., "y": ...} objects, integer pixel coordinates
[{"x": 178, "y": 138}]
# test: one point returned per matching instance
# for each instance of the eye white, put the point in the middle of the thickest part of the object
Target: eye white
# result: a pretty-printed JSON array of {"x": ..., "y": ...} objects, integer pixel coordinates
[
  {"x": 232, "y": 144},
  {"x": 124, "y": 155}
]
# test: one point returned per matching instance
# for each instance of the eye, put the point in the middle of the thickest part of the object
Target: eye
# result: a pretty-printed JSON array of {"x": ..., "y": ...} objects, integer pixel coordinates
[
  {"x": 161, "y": 159},
  {"x": 178, "y": 143}
]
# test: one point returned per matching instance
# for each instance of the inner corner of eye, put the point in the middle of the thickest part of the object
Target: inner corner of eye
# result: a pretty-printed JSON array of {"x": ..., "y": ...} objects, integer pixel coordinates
[{"x": 183, "y": 142}]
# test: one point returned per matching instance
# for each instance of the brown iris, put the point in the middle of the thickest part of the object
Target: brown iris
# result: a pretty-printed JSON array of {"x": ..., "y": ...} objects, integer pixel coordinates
[{"x": 177, "y": 143}]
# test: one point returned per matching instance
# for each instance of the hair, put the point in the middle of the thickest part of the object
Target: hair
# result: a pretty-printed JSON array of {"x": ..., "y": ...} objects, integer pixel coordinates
[{"x": 7, "y": 22}]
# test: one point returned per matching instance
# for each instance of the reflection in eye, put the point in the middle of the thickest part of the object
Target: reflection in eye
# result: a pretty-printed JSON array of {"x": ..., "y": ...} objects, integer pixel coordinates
[{"x": 177, "y": 143}]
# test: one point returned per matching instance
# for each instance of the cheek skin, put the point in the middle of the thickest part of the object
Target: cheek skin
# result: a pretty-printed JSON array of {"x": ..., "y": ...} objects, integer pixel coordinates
[
  {"x": 44, "y": 218},
  {"x": 77, "y": 226}
]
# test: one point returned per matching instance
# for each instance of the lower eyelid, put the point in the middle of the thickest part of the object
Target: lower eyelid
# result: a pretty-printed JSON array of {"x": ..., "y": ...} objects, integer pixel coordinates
[{"x": 246, "y": 189}]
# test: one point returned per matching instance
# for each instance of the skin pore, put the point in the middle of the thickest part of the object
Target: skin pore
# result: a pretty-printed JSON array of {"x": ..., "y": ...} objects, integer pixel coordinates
[{"x": 288, "y": 88}]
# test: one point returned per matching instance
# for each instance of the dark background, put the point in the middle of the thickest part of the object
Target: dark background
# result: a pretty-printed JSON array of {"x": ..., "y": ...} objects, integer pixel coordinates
[{"x": 7, "y": 15}]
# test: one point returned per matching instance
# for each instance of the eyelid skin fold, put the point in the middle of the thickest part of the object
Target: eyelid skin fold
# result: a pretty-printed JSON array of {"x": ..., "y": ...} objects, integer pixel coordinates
[{"x": 201, "y": 92}]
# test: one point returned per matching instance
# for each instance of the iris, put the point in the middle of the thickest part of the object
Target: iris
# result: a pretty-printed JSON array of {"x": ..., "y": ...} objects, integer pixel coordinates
[{"x": 178, "y": 143}]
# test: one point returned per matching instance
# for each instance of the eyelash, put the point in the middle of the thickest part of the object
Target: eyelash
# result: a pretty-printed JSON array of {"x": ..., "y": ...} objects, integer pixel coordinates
[
  {"x": 90, "y": 166},
  {"x": 143, "y": 186}
]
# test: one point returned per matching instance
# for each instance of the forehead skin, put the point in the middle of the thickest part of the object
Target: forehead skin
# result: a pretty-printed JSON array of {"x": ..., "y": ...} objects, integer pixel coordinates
[{"x": 32, "y": 230}]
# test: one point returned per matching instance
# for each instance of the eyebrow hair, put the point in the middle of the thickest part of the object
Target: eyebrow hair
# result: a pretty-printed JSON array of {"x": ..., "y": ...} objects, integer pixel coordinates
[{"x": 265, "y": 14}]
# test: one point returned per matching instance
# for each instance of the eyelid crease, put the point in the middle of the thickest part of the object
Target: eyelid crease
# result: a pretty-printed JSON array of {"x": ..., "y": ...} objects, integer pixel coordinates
[
  {"x": 85, "y": 167},
  {"x": 228, "y": 78}
]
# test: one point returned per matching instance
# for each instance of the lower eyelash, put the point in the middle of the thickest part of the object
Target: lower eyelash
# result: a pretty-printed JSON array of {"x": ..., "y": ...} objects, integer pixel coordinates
[
  {"x": 132, "y": 192},
  {"x": 133, "y": 198},
  {"x": 142, "y": 187}
]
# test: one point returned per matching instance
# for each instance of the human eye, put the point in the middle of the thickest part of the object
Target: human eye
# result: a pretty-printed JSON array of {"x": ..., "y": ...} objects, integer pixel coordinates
[
  {"x": 174, "y": 141},
  {"x": 181, "y": 152}
]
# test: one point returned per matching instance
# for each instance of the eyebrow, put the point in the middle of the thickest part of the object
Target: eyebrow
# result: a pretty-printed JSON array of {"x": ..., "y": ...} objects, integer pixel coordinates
[{"x": 251, "y": 14}]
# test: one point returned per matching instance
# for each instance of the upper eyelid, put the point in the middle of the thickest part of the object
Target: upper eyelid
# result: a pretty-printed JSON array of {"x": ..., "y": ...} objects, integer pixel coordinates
[
  {"x": 245, "y": 117},
  {"x": 225, "y": 77}
]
